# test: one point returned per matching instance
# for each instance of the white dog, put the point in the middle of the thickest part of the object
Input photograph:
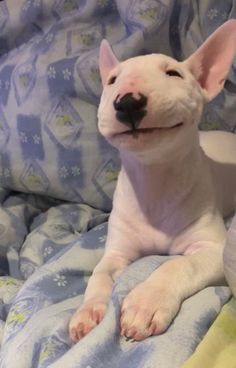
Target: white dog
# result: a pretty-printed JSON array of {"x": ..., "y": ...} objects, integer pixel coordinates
[{"x": 171, "y": 193}]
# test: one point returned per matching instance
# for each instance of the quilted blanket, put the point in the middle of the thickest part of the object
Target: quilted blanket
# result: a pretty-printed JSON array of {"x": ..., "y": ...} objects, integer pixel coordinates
[{"x": 57, "y": 176}]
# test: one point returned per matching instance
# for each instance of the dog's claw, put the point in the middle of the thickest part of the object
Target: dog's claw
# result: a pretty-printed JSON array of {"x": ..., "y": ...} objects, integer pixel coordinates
[{"x": 86, "y": 318}]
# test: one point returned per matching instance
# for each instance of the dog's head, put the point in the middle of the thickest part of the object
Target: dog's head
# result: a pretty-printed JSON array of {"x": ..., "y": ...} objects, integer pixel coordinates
[{"x": 153, "y": 103}]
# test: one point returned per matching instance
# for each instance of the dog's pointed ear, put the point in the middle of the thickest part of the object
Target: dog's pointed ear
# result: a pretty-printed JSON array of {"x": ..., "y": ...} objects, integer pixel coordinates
[
  {"x": 107, "y": 60},
  {"x": 211, "y": 63}
]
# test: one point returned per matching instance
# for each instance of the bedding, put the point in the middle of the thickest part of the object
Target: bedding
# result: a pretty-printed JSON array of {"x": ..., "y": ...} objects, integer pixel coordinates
[
  {"x": 230, "y": 257},
  {"x": 57, "y": 176},
  {"x": 217, "y": 350}
]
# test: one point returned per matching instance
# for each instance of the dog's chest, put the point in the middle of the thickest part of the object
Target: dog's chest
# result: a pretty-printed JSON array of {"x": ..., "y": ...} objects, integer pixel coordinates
[
  {"x": 152, "y": 224},
  {"x": 151, "y": 239},
  {"x": 155, "y": 212}
]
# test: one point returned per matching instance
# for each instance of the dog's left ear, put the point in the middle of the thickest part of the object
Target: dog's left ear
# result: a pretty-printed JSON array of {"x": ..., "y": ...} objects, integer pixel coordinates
[
  {"x": 107, "y": 60},
  {"x": 211, "y": 63}
]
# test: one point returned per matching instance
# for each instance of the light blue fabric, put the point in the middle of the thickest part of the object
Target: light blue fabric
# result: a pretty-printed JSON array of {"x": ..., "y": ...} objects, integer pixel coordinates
[
  {"x": 230, "y": 256},
  {"x": 57, "y": 175}
]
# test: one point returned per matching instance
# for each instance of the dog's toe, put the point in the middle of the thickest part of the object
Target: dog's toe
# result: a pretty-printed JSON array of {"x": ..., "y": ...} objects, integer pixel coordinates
[
  {"x": 161, "y": 320},
  {"x": 134, "y": 322},
  {"x": 146, "y": 311},
  {"x": 88, "y": 316}
]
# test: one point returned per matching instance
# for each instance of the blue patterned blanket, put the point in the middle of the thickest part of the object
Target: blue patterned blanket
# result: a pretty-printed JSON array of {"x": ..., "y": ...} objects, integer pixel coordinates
[{"x": 57, "y": 176}]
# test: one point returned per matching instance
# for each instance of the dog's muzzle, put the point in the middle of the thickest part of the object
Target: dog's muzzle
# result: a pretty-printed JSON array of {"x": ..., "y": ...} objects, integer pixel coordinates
[{"x": 130, "y": 110}]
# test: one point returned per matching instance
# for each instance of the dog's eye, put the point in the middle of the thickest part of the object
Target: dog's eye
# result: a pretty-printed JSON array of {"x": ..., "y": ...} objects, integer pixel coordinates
[
  {"x": 112, "y": 80},
  {"x": 173, "y": 73}
]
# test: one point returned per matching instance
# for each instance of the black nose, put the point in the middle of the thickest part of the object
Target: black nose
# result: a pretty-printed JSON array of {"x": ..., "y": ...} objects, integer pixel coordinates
[{"x": 130, "y": 110}]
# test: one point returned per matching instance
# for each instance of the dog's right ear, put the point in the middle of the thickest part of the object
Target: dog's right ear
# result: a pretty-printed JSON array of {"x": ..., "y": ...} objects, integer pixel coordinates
[
  {"x": 211, "y": 63},
  {"x": 107, "y": 60}
]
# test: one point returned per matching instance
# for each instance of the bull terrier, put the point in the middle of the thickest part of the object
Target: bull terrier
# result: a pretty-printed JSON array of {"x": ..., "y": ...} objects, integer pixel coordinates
[{"x": 174, "y": 187}]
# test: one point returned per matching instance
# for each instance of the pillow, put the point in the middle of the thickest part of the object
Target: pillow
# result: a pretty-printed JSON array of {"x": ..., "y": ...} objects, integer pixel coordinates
[{"x": 49, "y": 91}]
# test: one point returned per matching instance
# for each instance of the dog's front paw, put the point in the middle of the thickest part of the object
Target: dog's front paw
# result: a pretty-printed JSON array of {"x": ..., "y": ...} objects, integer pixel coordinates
[
  {"x": 147, "y": 310},
  {"x": 88, "y": 316}
]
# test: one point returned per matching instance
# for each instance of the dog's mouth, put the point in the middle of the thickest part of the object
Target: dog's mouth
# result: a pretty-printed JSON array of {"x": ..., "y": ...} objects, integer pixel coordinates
[{"x": 140, "y": 131}]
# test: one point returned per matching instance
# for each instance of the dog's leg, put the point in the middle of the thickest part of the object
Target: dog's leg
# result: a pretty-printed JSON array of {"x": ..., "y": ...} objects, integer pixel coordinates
[
  {"x": 152, "y": 305},
  {"x": 97, "y": 295}
]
